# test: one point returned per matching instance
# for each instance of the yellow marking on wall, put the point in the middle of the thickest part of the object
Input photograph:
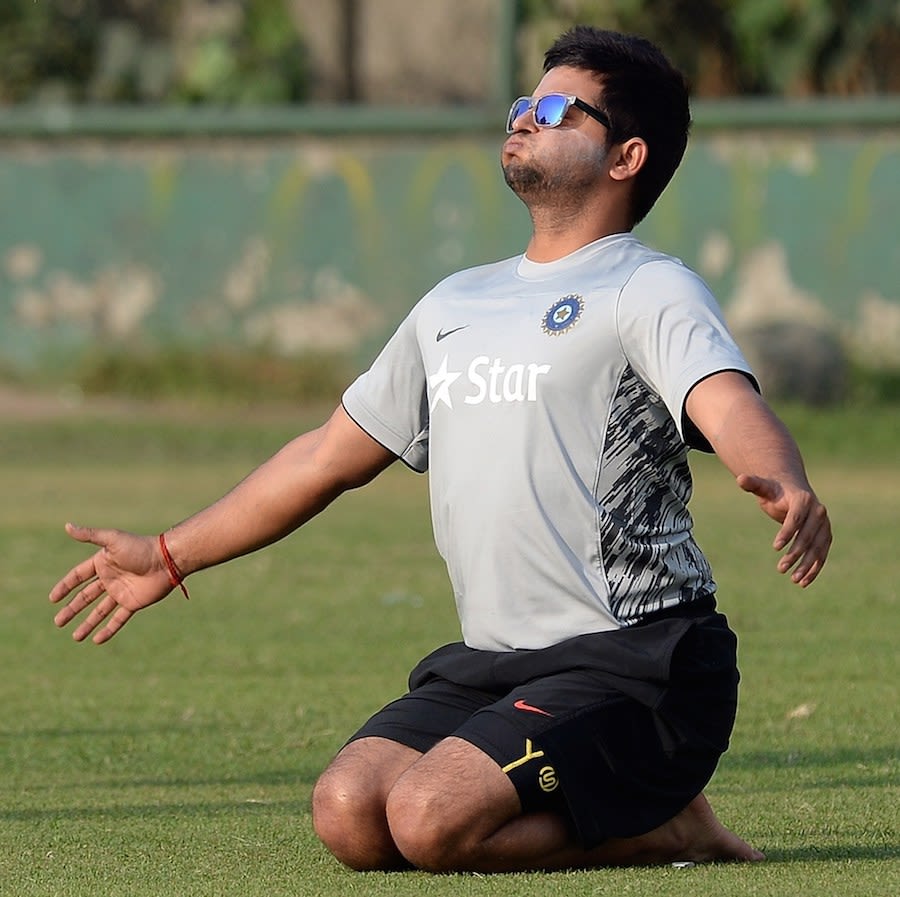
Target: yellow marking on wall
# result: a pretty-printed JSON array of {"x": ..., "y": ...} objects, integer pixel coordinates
[
  {"x": 289, "y": 192},
  {"x": 434, "y": 168},
  {"x": 163, "y": 179},
  {"x": 859, "y": 206},
  {"x": 361, "y": 191}
]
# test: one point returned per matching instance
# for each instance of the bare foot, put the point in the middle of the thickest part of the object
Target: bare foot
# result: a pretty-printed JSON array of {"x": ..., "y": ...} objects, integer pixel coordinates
[
  {"x": 709, "y": 840},
  {"x": 694, "y": 835}
]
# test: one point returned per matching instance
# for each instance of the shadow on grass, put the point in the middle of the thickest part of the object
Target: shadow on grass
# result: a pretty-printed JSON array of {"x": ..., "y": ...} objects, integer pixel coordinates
[
  {"x": 93, "y": 732},
  {"x": 270, "y": 778},
  {"x": 847, "y": 765},
  {"x": 831, "y": 854},
  {"x": 147, "y": 811}
]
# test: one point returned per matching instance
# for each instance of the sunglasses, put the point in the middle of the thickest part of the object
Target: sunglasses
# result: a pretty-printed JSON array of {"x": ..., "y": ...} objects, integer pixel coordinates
[{"x": 550, "y": 110}]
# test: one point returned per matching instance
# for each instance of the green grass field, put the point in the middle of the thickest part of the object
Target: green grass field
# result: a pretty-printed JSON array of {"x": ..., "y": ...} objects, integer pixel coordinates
[{"x": 179, "y": 759}]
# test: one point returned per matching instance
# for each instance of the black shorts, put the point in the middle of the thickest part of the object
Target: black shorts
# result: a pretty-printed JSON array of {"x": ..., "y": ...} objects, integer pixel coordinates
[{"x": 618, "y": 731}]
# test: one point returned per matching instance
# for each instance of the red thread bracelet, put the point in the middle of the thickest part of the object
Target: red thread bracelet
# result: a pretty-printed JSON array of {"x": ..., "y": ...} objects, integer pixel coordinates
[{"x": 175, "y": 576}]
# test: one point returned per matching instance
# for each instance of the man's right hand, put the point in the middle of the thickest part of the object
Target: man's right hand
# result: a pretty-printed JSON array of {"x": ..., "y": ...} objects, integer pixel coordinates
[{"x": 126, "y": 574}]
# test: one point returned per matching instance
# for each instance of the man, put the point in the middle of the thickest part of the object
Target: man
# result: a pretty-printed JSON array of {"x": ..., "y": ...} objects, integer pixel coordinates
[{"x": 553, "y": 398}]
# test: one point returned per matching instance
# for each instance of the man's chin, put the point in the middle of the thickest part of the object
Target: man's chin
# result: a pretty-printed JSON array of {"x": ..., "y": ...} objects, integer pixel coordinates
[{"x": 523, "y": 180}]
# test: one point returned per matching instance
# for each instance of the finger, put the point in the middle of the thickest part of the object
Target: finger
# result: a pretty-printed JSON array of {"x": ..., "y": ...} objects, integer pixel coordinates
[
  {"x": 808, "y": 562},
  {"x": 816, "y": 567},
  {"x": 800, "y": 525},
  {"x": 810, "y": 575},
  {"x": 87, "y": 596},
  {"x": 747, "y": 482},
  {"x": 84, "y": 572},
  {"x": 807, "y": 568},
  {"x": 116, "y": 622},
  {"x": 94, "y": 618},
  {"x": 808, "y": 527},
  {"x": 790, "y": 530},
  {"x": 795, "y": 550},
  {"x": 813, "y": 560},
  {"x": 99, "y": 537},
  {"x": 769, "y": 495},
  {"x": 758, "y": 486}
]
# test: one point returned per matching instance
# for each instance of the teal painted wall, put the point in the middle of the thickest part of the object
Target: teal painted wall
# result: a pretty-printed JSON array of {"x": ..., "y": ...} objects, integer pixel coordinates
[{"x": 326, "y": 242}]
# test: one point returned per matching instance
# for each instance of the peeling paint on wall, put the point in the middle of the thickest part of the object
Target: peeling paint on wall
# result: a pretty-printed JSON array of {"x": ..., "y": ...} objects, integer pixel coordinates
[
  {"x": 766, "y": 292},
  {"x": 326, "y": 244},
  {"x": 115, "y": 303},
  {"x": 877, "y": 335}
]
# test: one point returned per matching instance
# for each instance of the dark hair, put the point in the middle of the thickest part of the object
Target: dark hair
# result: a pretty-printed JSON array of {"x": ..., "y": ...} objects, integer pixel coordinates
[{"x": 643, "y": 94}]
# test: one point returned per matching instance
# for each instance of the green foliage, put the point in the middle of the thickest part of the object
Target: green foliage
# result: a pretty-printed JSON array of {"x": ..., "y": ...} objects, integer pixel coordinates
[
  {"x": 217, "y": 374},
  {"x": 236, "y": 51},
  {"x": 816, "y": 46},
  {"x": 222, "y": 375},
  {"x": 757, "y": 46},
  {"x": 261, "y": 61},
  {"x": 45, "y": 45},
  {"x": 871, "y": 385},
  {"x": 250, "y": 51}
]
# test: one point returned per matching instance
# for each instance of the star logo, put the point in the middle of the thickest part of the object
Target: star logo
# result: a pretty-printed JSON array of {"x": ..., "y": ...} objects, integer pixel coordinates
[{"x": 440, "y": 383}]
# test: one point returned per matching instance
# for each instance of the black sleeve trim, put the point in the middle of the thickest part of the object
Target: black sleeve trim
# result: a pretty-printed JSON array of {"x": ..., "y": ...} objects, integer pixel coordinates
[
  {"x": 692, "y": 436},
  {"x": 385, "y": 447}
]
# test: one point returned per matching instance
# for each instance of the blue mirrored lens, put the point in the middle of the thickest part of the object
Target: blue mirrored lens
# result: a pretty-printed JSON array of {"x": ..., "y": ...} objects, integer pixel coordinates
[
  {"x": 519, "y": 107},
  {"x": 549, "y": 111}
]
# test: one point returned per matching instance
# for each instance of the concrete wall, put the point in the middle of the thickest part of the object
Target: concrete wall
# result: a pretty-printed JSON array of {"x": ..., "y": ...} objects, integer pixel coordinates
[{"x": 325, "y": 242}]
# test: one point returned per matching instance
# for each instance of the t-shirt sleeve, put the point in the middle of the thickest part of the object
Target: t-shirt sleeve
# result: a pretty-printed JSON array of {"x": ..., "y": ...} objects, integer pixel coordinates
[
  {"x": 389, "y": 401},
  {"x": 673, "y": 336}
]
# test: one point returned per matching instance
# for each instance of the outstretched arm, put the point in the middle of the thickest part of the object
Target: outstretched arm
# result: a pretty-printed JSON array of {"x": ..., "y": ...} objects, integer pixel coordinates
[
  {"x": 758, "y": 449},
  {"x": 129, "y": 572}
]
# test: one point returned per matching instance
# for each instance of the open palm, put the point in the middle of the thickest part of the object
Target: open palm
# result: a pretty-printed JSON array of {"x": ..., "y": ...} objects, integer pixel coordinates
[{"x": 124, "y": 576}]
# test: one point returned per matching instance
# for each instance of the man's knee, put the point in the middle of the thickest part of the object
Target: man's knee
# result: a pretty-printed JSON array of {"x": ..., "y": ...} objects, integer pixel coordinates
[
  {"x": 339, "y": 821},
  {"x": 422, "y": 830},
  {"x": 348, "y": 808},
  {"x": 442, "y": 810}
]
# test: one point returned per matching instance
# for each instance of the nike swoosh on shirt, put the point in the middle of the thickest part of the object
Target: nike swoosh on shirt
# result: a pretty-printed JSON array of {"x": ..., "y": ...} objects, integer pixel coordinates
[
  {"x": 443, "y": 334},
  {"x": 523, "y": 705}
]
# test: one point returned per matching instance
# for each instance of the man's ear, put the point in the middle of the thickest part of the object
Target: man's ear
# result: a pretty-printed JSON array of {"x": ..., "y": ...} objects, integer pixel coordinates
[{"x": 629, "y": 159}]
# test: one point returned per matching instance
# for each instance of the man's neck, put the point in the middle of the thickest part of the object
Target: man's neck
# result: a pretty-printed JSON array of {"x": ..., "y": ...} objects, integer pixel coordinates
[
  {"x": 548, "y": 247},
  {"x": 557, "y": 233}
]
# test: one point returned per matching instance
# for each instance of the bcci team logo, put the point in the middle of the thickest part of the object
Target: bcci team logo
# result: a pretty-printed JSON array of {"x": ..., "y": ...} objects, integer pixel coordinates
[{"x": 563, "y": 315}]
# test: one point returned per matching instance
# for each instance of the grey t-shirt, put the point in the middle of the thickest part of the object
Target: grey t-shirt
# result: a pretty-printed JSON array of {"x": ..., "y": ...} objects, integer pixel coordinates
[{"x": 546, "y": 401}]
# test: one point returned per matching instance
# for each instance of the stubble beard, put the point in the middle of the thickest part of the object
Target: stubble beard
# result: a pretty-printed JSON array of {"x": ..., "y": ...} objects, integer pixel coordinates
[
  {"x": 529, "y": 182},
  {"x": 561, "y": 188}
]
